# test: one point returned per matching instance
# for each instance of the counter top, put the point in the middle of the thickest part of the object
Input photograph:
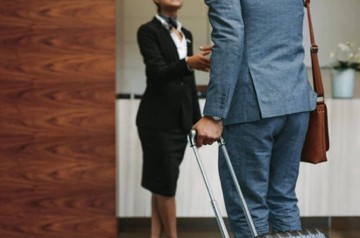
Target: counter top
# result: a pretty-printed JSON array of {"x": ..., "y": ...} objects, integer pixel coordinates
[{"x": 325, "y": 72}]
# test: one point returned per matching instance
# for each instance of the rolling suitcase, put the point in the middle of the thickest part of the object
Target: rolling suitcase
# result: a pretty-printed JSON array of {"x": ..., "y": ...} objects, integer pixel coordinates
[{"x": 314, "y": 233}]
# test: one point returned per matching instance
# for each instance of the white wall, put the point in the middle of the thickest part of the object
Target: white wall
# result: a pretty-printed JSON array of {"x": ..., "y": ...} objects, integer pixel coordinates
[
  {"x": 133, "y": 13},
  {"x": 334, "y": 21}
]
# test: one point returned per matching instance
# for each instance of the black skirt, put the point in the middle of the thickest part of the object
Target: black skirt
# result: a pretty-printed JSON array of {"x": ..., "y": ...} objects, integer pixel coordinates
[{"x": 163, "y": 152}]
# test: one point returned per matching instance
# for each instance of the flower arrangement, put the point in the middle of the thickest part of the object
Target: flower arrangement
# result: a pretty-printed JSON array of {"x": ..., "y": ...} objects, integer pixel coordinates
[{"x": 346, "y": 56}]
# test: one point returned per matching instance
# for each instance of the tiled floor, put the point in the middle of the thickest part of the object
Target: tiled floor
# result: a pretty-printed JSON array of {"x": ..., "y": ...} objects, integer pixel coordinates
[{"x": 341, "y": 227}]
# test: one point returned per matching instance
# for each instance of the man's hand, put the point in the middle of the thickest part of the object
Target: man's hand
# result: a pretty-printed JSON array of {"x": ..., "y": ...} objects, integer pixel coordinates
[{"x": 207, "y": 131}]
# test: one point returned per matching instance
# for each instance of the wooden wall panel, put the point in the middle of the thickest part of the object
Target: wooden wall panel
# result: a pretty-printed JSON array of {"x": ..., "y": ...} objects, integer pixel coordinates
[{"x": 57, "y": 118}]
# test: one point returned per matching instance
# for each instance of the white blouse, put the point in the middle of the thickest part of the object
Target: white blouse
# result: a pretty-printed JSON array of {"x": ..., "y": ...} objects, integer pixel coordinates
[{"x": 181, "y": 44}]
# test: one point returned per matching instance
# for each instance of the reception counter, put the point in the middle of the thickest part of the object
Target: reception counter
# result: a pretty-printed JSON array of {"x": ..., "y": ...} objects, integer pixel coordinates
[{"x": 328, "y": 189}]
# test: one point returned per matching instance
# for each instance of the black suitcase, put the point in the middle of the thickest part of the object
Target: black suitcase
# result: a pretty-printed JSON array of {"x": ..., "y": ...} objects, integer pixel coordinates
[{"x": 313, "y": 233}]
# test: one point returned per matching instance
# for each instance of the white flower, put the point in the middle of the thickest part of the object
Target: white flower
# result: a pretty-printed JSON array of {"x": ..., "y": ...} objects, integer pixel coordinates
[{"x": 346, "y": 56}]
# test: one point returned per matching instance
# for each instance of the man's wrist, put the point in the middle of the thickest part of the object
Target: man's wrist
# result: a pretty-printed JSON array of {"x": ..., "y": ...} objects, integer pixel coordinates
[{"x": 214, "y": 118}]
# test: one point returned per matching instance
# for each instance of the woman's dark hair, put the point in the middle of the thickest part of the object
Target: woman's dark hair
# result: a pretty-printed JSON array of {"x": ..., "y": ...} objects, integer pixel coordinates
[{"x": 158, "y": 7}]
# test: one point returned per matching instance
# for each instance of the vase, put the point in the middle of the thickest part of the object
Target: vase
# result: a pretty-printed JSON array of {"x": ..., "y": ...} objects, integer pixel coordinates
[{"x": 343, "y": 83}]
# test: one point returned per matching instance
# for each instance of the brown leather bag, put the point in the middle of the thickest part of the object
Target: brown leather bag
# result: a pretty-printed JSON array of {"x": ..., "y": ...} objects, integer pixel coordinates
[{"x": 317, "y": 138}]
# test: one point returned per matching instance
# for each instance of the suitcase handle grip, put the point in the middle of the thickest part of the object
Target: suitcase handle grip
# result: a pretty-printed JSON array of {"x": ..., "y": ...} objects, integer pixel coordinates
[{"x": 192, "y": 139}]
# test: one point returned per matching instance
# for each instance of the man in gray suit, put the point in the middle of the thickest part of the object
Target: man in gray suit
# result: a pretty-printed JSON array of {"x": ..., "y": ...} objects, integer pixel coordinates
[{"x": 259, "y": 100}]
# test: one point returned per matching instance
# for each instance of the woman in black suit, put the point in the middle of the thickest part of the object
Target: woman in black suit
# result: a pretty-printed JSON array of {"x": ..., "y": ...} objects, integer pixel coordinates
[{"x": 168, "y": 109}]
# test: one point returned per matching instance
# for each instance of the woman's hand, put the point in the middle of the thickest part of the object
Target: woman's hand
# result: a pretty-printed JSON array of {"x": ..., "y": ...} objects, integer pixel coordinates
[{"x": 200, "y": 61}]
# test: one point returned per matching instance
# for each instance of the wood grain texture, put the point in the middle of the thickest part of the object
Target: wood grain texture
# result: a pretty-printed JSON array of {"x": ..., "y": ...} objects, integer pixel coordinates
[{"x": 57, "y": 119}]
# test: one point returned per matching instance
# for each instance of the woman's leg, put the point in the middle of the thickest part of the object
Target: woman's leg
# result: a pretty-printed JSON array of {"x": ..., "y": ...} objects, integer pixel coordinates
[
  {"x": 167, "y": 212},
  {"x": 156, "y": 226}
]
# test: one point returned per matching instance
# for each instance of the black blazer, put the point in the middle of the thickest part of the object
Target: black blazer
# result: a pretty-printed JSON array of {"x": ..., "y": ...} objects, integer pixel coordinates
[{"x": 170, "y": 99}]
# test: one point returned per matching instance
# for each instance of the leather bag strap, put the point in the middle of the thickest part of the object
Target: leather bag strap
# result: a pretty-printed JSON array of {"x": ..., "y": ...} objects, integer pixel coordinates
[{"x": 317, "y": 80}]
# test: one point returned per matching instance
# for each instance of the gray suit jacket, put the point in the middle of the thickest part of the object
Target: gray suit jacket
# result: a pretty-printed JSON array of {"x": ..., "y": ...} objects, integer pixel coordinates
[{"x": 257, "y": 68}]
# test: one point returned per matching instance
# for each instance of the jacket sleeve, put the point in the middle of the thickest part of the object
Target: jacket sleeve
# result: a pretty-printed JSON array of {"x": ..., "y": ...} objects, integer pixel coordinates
[
  {"x": 156, "y": 66},
  {"x": 228, "y": 37},
  {"x": 196, "y": 105}
]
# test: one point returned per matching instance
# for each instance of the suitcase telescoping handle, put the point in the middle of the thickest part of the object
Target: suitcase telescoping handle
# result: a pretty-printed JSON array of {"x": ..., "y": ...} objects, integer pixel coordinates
[
  {"x": 221, "y": 142},
  {"x": 219, "y": 218}
]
